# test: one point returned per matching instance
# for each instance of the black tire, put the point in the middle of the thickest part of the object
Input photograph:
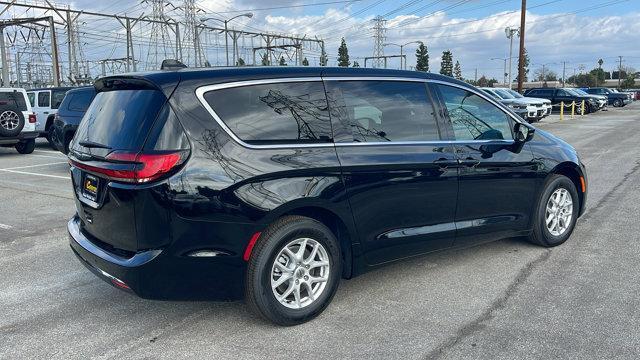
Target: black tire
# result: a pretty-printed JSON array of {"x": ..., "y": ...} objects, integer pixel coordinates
[
  {"x": 541, "y": 235},
  {"x": 26, "y": 147},
  {"x": 51, "y": 134},
  {"x": 617, "y": 103},
  {"x": 11, "y": 121},
  {"x": 258, "y": 292},
  {"x": 66, "y": 143}
]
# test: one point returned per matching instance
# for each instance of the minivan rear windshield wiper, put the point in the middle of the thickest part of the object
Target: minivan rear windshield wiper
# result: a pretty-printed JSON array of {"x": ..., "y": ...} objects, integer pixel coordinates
[{"x": 91, "y": 144}]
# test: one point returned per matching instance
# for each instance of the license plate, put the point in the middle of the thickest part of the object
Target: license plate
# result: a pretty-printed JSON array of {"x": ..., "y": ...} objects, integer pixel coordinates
[{"x": 90, "y": 187}]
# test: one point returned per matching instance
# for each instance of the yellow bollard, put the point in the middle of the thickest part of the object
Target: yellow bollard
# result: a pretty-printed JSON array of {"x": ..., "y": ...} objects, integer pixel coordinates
[
  {"x": 582, "y": 109},
  {"x": 561, "y": 110},
  {"x": 573, "y": 109}
]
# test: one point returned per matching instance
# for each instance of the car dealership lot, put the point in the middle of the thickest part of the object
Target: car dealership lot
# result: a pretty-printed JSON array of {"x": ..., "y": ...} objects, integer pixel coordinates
[{"x": 506, "y": 299}]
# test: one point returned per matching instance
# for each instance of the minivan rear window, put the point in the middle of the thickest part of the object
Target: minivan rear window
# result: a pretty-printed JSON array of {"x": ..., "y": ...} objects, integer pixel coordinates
[
  {"x": 120, "y": 119},
  {"x": 274, "y": 113}
]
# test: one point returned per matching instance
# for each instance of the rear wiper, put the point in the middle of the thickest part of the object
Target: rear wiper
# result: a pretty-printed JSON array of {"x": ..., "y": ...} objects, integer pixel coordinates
[{"x": 91, "y": 144}]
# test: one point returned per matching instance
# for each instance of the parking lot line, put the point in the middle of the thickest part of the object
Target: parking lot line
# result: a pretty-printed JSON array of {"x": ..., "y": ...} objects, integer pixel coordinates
[
  {"x": 49, "y": 156},
  {"x": 47, "y": 151},
  {"x": 35, "y": 174},
  {"x": 32, "y": 166}
]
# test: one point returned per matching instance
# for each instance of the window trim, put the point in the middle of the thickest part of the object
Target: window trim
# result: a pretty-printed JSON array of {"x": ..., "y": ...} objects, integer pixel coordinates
[{"x": 200, "y": 91}]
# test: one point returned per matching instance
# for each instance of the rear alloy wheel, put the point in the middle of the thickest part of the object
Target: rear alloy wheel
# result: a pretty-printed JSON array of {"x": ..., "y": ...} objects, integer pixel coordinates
[
  {"x": 557, "y": 212},
  {"x": 617, "y": 103},
  {"x": 294, "y": 271}
]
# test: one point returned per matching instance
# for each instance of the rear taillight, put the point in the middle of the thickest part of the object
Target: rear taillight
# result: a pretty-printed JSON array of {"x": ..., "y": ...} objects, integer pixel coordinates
[
  {"x": 32, "y": 118},
  {"x": 137, "y": 167}
]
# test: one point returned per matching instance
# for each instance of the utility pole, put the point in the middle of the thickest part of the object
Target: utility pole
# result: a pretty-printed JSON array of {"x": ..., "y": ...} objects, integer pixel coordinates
[
  {"x": 564, "y": 70},
  {"x": 523, "y": 13},
  {"x": 475, "y": 77},
  {"x": 5, "y": 63},
  {"x": 54, "y": 53},
  {"x": 619, "y": 71}
]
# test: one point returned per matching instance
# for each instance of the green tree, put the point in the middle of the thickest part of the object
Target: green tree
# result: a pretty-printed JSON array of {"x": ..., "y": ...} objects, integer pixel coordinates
[
  {"x": 265, "y": 59},
  {"x": 343, "y": 54},
  {"x": 629, "y": 82},
  {"x": 484, "y": 82},
  {"x": 457, "y": 71},
  {"x": 600, "y": 75},
  {"x": 526, "y": 66},
  {"x": 240, "y": 62},
  {"x": 422, "y": 58},
  {"x": 582, "y": 80},
  {"x": 355, "y": 64},
  {"x": 324, "y": 59},
  {"x": 446, "y": 65},
  {"x": 282, "y": 62},
  {"x": 305, "y": 62}
]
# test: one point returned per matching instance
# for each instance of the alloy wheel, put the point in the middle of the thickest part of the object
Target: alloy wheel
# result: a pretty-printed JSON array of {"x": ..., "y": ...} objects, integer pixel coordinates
[
  {"x": 559, "y": 212},
  {"x": 300, "y": 273},
  {"x": 9, "y": 120}
]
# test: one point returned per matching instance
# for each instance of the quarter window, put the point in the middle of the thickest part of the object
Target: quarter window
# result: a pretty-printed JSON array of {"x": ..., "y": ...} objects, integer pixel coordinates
[
  {"x": 274, "y": 113},
  {"x": 44, "y": 99},
  {"x": 378, "y": 111},
  {"x": 474, "y": 118}
]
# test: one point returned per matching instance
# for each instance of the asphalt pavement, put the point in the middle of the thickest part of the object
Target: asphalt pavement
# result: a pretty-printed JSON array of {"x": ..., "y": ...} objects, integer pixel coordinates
[{"x": 503, "y": 300}]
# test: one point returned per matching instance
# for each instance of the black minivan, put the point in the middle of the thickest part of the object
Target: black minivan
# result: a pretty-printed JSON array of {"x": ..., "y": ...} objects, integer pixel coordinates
[{"x": 272, "y": 184}]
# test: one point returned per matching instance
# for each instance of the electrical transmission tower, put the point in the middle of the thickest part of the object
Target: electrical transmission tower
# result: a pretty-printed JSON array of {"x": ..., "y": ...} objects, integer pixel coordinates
[
  {"x": 191, "y": 36},
  {"x": 379, "y": 39},
  {"x": 160, "y": 45}
]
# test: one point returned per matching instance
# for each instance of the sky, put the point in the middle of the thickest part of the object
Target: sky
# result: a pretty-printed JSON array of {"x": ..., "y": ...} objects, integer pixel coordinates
[{"x": 576, "y": 32}]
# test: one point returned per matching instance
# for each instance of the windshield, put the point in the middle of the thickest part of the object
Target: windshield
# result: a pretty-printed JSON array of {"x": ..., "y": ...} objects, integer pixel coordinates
[
  {"x": 515, "y": 94},
  {"x": 572, "y": 92},
  {"x": 505, "y": 94}
]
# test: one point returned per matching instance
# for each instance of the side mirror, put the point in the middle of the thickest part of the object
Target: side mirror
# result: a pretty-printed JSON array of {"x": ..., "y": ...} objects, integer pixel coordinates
[{"x": 523, "y": 133}]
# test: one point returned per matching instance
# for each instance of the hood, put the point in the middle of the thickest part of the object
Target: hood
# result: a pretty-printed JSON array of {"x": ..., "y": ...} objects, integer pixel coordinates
[{"x": 534, "y": 99}]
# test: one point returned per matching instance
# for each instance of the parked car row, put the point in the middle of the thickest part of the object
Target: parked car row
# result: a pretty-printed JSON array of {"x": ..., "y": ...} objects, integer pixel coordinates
[
  {"x": 529, "y": 108},
  {"x": 568, "y": 96},
  {"x": 614, "y": 97}
]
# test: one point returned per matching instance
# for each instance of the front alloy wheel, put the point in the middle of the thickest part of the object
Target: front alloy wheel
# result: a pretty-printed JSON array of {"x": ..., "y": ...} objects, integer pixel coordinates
[{"x": 557, "y": 211}]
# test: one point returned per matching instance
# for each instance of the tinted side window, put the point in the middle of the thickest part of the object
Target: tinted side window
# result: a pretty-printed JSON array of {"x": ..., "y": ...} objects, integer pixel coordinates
[
  {"x": 58, "y": 96},
  {"x": 384, "y": 110},
  {"x": 80, "y": 101},
  {"x": 32, "y": 98},
  {"x": 274, "y": 113},
  {"x": 563, "y": 93},
  {"x": 474, "y": 118},
  {"x": 44, "y": 99}
]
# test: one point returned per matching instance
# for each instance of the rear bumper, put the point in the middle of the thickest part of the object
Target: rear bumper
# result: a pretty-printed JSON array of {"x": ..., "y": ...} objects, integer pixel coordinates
[
  {"x": 28, "y": 135},
  {"x": 157, "y": 274}
]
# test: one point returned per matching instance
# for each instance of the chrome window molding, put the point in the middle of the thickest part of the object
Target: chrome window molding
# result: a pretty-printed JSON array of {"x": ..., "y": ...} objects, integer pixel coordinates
[{"x": 206, "y": 88}]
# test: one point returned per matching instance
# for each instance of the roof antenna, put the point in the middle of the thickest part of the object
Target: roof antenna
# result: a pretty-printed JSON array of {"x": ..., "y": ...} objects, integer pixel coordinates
[{"x": 172, "y": 64}]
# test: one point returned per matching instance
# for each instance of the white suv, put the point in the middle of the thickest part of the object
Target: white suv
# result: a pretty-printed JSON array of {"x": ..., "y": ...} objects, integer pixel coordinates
[
  {"x": 45, "y": 103},
  {"x": 17, "y": 121}
]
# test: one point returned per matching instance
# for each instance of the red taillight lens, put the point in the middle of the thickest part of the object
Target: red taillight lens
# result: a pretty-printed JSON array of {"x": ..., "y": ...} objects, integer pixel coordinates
[
  {"x": 137, "y": 168},
  {"x": 32, "y": 118}
]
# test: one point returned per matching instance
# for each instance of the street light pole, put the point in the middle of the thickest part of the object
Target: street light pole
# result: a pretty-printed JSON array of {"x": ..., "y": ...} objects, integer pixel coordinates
[
  {"x": 226, "y": 32},
  {"x": 403, "y": 67},
  {"x": 510, "y": 32}
]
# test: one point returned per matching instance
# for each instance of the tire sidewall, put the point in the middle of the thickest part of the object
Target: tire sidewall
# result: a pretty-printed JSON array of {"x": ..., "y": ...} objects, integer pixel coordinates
[
  {"x": 553, "y": 184},
  {"x": 26, "y": 147},
  {"x": 273, "y": 309}
]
